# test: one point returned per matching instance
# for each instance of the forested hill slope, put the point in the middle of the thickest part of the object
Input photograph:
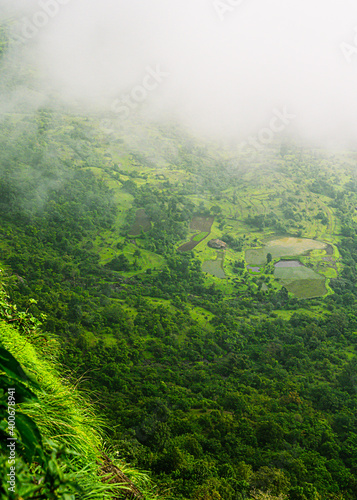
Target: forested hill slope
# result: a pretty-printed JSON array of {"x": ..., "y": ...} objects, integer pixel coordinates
[
  {"x": 56, "y": 436},
  {"x": 217, "y": 371}
]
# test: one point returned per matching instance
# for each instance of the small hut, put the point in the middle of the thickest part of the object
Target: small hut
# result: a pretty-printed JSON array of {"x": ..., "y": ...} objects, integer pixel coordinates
[{"x": 217, "y": 244}]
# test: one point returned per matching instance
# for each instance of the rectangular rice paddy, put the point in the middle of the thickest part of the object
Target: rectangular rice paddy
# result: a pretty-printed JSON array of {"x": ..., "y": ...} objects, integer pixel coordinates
[
  {"x": 307, "y": 288},
  {"x": 282, "y": 247},
  {"x": 296, "y": 273}
]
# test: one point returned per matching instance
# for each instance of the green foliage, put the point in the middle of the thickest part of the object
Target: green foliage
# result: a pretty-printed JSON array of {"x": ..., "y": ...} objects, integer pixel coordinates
[
  {"x": 119, "y": 263},
  {"x": 46, "y": 479},
  {"x": 227, "y": 389},
  {"x": 58, "y": 438}
]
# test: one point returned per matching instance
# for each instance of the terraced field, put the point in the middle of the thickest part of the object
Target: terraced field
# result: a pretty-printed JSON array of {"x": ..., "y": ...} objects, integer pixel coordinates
[
  {"x": 282, "y": 247},
  {"x": 300, "y": 272},
  {"x": 299, "y": 279},
  {"x": 307, "y": 289},
  {"x": 288, "y": 198},
  {"x": 201, "y": 224},
  {"x": 200, "y": 236}
]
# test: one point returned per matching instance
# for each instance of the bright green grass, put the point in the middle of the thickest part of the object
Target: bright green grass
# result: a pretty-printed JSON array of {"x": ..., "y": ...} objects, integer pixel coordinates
[
  {"x": 330, "y": 273},
  {"x": 225, "y": 285},
  {"x": 161, "y": 302},
  {"x": 61, "y": 413},
  {"x": 107, "y": 251},
  {"x": 200, "y": 236},
  {"x": 64, "y": 415},
  {"x": 202, "y": 317},
  {"x": 315, "y": 313}
]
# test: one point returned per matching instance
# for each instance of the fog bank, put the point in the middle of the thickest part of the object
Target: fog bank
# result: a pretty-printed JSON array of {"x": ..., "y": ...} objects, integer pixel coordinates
[{"x": 228, "y": 68}]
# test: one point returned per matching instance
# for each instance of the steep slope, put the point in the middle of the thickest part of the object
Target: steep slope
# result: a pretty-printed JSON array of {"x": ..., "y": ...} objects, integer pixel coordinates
[
  {"x": 218, "y": 386},
  {"x": 57, "y": 441}
]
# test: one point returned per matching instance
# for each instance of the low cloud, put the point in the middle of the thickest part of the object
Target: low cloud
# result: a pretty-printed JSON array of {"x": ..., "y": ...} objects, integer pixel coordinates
[{"x": 230, "y": 63}]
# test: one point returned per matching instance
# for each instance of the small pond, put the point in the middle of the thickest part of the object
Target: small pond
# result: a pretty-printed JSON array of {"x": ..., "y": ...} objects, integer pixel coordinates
[{"x": 253, "y": 269}]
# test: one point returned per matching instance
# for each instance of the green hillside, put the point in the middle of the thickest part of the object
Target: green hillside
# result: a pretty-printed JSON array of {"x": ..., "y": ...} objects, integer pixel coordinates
[
  {"x": 174, "y": 306},
  {"x": 226, "y": 384},
  {"x": 178, "y": 315},
  {"x": 58, "y": 437}
]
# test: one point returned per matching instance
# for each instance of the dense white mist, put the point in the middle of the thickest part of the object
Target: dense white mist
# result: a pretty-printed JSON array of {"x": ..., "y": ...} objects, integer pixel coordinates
[{"x": 227, "y": 66}]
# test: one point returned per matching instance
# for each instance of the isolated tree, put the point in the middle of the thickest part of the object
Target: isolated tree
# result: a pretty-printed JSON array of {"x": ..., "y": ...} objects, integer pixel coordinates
[
  {"x": 270, "y": 480},
  {"x": 269, "y": 258},
  {"x": 215, "y": 210}
]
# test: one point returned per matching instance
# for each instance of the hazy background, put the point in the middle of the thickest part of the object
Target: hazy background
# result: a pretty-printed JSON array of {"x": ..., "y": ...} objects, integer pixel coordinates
[{"x": 225, "y": 73}]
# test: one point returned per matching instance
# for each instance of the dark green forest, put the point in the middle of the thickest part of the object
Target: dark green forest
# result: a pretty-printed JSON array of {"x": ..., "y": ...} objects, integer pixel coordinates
[
  {"x": 213, "y": 371},
  {"x": 219, "y": 387}
]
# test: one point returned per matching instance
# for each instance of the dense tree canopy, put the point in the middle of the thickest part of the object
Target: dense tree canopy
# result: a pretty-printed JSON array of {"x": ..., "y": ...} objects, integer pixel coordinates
[{"x": 228, "y": 389}]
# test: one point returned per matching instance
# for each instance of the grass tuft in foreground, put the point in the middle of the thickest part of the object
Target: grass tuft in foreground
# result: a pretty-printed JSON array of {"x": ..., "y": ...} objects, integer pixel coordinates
[{"x": 60, "y": 450}]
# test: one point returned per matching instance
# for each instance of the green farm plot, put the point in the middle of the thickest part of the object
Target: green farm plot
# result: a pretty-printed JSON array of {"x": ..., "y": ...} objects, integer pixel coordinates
[
  {"x": 282, "y": 247},
  {"x": 202, "y": 224},
  {"x": 307, "y": 289},
  {"x": 300, "y": 280},
  {"x": 200, "y": 236},
  {"x": 214, "y": 267},
  {"x": 254, "y": 270},
  {"x": 296, "y": 273}
]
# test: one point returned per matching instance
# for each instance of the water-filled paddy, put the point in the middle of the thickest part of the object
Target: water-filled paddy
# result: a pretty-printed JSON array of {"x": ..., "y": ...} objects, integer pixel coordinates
[
  {"x": 288, "y": 263},
  {"x": 253, "y": 269},
  {"x": 296, "y": 272},
  {"x": 282, "y": 247},
  {"x": 300, "y": 280},
  {"x": 215, "y": 267}
]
